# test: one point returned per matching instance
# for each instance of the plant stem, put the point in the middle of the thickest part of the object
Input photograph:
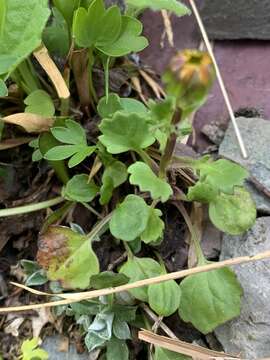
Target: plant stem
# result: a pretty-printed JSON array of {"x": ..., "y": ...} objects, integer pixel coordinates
[
  {"x": 90, "y": 208},
  {"x": 128, "y": 250},
  {"x": 148, "y": 160},
  {"x": 96, "y": 230},
  {"x": 170, "y": 145},
  {"x": 107, "y": 77},
  {"x": 26, "y": 77},
  {"x": 194, "y": 237},
  {"x": 31, "y": 207}
]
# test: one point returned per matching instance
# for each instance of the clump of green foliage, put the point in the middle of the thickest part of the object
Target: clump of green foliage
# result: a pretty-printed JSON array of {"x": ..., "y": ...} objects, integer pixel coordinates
[{"x": 131, "y": 160}]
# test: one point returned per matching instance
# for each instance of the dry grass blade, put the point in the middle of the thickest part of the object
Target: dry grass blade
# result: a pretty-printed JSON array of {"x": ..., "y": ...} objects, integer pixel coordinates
[
  {"x": 137, "y": 86},
  {"x": 30, "y": 122},
  {"x": 181, "y": 347},
  {"x": 12, "y": 143},
  {"x": 53, "y": 72},
  {"x": 219, "y": 77},
  {"x": 87, "y": 295},
  {"x": 168, "y": 31},
  {"x": 157, "y": 89}
]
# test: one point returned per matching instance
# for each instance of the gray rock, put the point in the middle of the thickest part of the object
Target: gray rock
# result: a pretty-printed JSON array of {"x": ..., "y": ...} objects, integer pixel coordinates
[
  {"x": 237, "y": 19},
  {"x": 262, "y": 201},
  {"x": 256, "y": 135},
  {"x": 248, "y": 335},
  {"x": 51, "y": 345}
]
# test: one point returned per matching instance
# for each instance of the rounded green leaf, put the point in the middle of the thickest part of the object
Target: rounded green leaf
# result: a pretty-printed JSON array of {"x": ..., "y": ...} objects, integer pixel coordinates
[
  {"x": 164, "y": 298},
  {"x": 39, "y": 102},
  {"x": 210, "y": 299},
  {"x": 124, "y": 132},
  {"x": 21, "y": 31},
  {"x": 80, "y": 189},
  {"x": 130, "y": 218},
  {"x": 233, "y": 214},
  {"x": 139, "y": 269}
]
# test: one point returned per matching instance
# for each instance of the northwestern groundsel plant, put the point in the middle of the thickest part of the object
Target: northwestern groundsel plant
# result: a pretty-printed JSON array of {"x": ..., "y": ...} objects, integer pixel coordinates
[{"x": 114, "y": 155}]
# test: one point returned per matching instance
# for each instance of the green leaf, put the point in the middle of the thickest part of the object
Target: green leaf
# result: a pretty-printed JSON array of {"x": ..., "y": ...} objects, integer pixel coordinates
[
  {"x": 202, "y": 192},
  {"x": 61, "y": 152},
  {"x": 210, "y": 299},
  {"x": 80, "y": 189},
  {"x": 124, "y": 132},
  {"x": 154, "y": 228},
  {"x": 223, "y": 175},
  {"x": 108, "y": 279},
  {"x": 56, "y": 36},
  {"x": 68, "y": 257},
  {"x": 21, "y": 30},
  {"x": 121, "y": 330},
  {"x": 117, "y": 350},
  {"x": 39, "y": 102},
  {"x": 124, "y": 312},
  {"x": 114, "y": 175},
  {"x": 174, "y": 6},
  {"x": 72, "y": 133},
  {"x": 30, "y": 350},
  {"x": 67, "y": 9},
  {"x": 130, "y": 218},
  {"x": 233, "y": 214},
  {"x": 133, "y": 106},
  {"x": 107, "y": 107},
  {"x": 3, "y": 88},
  {"x": 144, "y": 177},
  {"x": 3, "y": 11},
  {"x": 37, "y": 278},
  {"x": 164, "y": 354},
  {"x": 97, "y": 26},
  {"x": 139, "y": 269},
  {"x": 93, "y": 341},
  {"x": 129, "y": 39},
  {"x": 164, "y": 298}
]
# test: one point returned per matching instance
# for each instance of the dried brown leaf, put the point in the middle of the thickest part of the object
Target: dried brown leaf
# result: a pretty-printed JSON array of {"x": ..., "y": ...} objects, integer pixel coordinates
[
  {"x": 181, "y": 347},
  {"x": 30, "y": 122}
]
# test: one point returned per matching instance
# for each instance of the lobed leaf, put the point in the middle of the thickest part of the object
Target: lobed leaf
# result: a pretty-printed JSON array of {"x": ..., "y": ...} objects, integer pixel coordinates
[
  {"x": 129, "y": 39},
  {"x": 130, "y": 218},
  {"x": 223, "y": 175},
  {"x": 39, "y": 102},
  {"x": 113, "y": 176},
  {"x": 155, "y": 226},
  {"x": 124, "y": 132},
  {"x": 145, "y": 178},
  {"x": 210, "y": 299}
]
